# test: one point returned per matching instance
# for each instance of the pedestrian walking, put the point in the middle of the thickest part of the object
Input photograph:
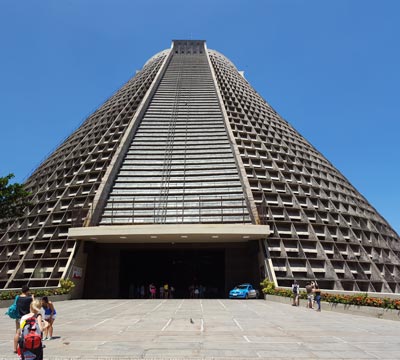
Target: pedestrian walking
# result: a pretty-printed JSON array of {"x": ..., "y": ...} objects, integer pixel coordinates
[{"x": 30, "y": 333}]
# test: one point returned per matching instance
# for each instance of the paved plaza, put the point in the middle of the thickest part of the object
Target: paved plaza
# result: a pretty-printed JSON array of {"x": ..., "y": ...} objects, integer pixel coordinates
[{"x": 209, "y": 329}]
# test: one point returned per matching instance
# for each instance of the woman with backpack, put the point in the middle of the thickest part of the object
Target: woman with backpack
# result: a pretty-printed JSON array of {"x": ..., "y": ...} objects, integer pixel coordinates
[
  {"x": 49, "y": 316},
  {"x": 30, "y": 333}
]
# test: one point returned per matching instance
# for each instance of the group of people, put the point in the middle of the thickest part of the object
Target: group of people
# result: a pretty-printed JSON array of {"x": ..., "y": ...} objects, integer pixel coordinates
[
  {"x": 313, "y": 295},
  {"x": 33, "y": 313},
  {"x": 196, "y": 291},
  {"x": 165, "y": 291}
]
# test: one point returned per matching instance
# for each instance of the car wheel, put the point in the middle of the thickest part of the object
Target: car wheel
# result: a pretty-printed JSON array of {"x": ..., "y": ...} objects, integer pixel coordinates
[{"x": 247, "y": 296}]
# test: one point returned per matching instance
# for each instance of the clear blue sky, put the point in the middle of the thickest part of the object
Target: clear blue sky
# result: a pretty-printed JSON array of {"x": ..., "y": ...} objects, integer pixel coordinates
[{"x": 331, "y": 68}]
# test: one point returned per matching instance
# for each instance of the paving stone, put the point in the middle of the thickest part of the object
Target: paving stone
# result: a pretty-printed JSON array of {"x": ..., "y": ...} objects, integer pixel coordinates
[
  {"x": 220, "y": 329},
  {"x": 286, "y": 354}
]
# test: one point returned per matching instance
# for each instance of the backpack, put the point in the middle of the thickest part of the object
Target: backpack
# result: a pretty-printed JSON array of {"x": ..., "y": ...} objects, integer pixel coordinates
[
  {"x": 31, "y": 335},
  {"x": 12, "y": 311},
  {"x": 295, "y": 288}
]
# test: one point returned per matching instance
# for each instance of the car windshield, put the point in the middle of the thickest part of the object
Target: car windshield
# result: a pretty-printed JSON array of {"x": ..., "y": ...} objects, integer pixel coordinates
[{"x": 241, "y": 287}]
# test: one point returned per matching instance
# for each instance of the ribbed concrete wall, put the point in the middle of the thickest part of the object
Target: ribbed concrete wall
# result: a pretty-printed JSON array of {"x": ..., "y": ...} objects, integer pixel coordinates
[
  {"x": 35, "y": 249},
  {"x": 322, "y": 228}
]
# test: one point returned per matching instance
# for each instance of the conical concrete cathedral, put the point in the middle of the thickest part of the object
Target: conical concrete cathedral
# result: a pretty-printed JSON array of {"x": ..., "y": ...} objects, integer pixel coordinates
[{"x": 186, "y": 175}]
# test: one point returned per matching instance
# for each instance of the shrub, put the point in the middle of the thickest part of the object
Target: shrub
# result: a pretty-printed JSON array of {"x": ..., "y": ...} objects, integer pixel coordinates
[
  {"x": 356, "y": 299},
  {"x": 66, "y": 285},
  {"x": 268, "y": 287},
  {"x": 7, "y": 295}
]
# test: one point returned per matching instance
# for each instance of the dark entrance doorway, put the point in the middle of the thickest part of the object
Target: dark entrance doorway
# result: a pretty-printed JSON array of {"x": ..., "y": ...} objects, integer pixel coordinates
[
  {"x": 112, "y": 268},
  {"x": 181, "y": 268}
]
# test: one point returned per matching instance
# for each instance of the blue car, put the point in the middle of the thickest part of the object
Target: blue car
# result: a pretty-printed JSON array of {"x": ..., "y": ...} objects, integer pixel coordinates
[{"x": 243, "y": 291}]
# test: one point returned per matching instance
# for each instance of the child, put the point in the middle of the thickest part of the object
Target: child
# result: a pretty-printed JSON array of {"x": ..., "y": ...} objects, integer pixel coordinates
[{"x": 37, "y": 353}]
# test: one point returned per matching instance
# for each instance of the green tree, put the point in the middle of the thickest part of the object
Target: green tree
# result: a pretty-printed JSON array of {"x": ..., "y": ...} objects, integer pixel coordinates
[{"x": 13, "y": 199}]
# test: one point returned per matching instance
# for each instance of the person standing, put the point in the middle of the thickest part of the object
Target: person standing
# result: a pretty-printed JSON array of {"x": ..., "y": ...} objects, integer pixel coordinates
[
  {"x": 171, "y": 292},
  {"x": 23, "y": 308},
  {"x": 313, "y": 283},
  {"x": 166, "y": 289},
  {"x": 310, "y": 297},
  {"x": 317, "y": 294},
  {"x": 49, "y": 316},
  {"x": 295, "y": 291},
  {"x": 152, "y": 291},
  {"x": 191, "y": 291}
]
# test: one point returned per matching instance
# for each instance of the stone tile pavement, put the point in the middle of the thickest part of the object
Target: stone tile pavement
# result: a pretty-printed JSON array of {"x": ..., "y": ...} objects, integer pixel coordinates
[{"x": 209, "y": 329}]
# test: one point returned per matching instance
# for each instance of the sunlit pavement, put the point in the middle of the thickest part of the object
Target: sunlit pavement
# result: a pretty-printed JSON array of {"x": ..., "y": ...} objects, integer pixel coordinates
[{"x": 209, "y": 329}]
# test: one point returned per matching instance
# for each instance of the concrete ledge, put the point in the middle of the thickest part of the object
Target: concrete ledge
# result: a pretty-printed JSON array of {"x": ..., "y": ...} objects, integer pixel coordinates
[
  {"x": 370, "y": 311},
  {"x": 161, "y": 233},
  {"x": 346, "y": 292}
]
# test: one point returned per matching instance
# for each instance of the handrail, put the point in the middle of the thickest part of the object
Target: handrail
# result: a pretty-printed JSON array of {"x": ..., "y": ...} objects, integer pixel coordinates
[
  {"x": 204, "y": 205},
  {"x": 166, "y": 172}
]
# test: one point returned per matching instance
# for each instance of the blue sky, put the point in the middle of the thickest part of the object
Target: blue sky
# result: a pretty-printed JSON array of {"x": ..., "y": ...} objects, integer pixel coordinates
[{"x": 331, "y": 68}]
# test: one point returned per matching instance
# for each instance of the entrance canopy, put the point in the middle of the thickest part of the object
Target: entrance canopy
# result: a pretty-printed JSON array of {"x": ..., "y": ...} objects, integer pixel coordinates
[{"x": 176, "y": 233}]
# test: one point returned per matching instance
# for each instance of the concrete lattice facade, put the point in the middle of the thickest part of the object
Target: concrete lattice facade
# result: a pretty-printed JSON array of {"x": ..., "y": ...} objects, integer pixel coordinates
[
  {"x": 36, "y": 248},
  {"x": 188, "y": 140},
  {"x": 322, "y": 227}
]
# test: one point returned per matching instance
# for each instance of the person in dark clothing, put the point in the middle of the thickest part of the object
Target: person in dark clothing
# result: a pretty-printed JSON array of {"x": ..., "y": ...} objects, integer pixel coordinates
[
  {"x": 24, "y": 301},
  {"x": 23, "y": 308},
  {"x": 317, "y": 293}
]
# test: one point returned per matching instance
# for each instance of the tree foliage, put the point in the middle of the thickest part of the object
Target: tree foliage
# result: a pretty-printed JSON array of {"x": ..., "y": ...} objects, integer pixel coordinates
[{"x": 13, "y": 198}]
